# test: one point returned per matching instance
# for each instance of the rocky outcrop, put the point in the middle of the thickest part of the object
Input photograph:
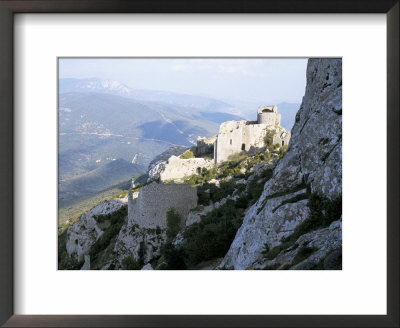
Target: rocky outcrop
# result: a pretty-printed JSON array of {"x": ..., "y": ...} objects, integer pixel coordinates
[
  {"x": 83, "y": 234},
  {"x": 155, "y": 169},
  {"x": 142, "y": 244},
  {"x": 314, "y": 160},
  {"x": 195, "y": 215},
  {"x": 320, "y": 243}
]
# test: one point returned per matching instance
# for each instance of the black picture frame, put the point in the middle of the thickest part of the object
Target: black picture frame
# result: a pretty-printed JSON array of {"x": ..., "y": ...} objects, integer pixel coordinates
[{"x": 7, "y": 10}]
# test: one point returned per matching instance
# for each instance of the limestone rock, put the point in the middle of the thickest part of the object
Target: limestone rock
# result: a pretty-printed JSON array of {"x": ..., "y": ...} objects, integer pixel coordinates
[
  {"x": 142, "y": 244},
  {"x": 147, "y": 267},
  {"x": 83, "y": 234},
  {"x": 195, "y": 216},
  {"x": 313, "y": 158},
  {"x": 86, "y": 265},
  {"x": 323, "y": 240},
  {"x": 155, "y": 169}
]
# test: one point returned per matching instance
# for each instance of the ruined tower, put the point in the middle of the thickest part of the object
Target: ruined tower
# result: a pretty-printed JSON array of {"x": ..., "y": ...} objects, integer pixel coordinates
[{"x": 268, "y": 115}]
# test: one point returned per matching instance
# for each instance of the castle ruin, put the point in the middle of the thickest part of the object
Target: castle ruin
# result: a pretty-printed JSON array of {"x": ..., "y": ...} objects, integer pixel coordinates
[
  {"x": 236, "y": 136},
  {"x": 150, "y": 208}
]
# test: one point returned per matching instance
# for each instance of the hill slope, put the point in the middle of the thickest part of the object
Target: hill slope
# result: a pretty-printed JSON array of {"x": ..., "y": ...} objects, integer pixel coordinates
[{"x": 96, "y": 181}]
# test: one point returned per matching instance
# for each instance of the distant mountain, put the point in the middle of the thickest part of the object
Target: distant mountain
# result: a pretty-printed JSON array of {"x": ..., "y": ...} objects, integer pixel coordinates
[
  {"x": 110, "y": 115},
  {"x": 120, "y": 89},
  {"x": 96, "y": 181},
  {"x": 93, "y": 85},
  {"x": 219, "y": 117}
]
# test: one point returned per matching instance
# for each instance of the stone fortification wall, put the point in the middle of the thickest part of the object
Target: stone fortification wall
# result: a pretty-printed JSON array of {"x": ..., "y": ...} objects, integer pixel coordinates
[
  {"x": 150, "y": 208},
  {"x": 253, "y": 136},
  {"x": 177, "y": 168},
  {"x": 281, "y": 137},
  {"x": 205, "y": 146},
  {"x": 268, "y": 115},
  {"x": 272, "y": 119},
  {"x": 229, "y": 140},
  {"x": 237, "y": 136}
]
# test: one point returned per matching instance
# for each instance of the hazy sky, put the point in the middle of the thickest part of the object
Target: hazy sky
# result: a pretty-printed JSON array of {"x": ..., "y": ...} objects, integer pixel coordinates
[{"x": 271, "y": 80}]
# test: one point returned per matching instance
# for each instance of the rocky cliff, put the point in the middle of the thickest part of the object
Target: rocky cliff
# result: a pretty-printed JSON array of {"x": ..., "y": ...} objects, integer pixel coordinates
[{"x": 311, "y": 166}]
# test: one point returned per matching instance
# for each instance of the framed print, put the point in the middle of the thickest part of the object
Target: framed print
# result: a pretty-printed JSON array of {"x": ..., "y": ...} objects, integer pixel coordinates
[{"x": 189, "y": 166}]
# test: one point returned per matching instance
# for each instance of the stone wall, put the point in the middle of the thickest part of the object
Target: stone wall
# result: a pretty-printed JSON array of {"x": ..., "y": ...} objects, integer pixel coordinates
[
  {"x": 272, "y": 119},
  {"x": 236, "y": 136},
  {"x": 229, "y": 140},
  {"x": 205, "y": 146},
  {"x": 177, "y": 168},
  {"x": 150, "y": 208},
  {"x": 282, "y": 137}
]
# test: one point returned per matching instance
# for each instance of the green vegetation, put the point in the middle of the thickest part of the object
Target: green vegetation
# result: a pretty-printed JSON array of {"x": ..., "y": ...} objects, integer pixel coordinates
[
  {"x": 116, "y": 220},
  {"x": 233, "y": 167},
  {"x": 256, "y": 185},
  {"x": 174, "y": 257},
  {"x": 293, "y": 199},
  {"x": 300, "y": 186},
  {"x": 65, "y": 262},
  {"x": 69, "y": 214},
  {"x": 272, "y": 266},
  {"x": 225, "y": 189},
  {"x": 270, "y": 254},
  {"x": 257, "y": 158},
  {"x": 237, "y": 157},
  {"x": 212, "y": 237},
  {"x": 203, "y": 197},
  {"x": 128, "y": 263},
  {"x": 273, "y": 147},
  {"x": 187, "y": 154},
  {"x": 174, "y": 222},
  {"x": 230, "y": 171},
  {"x": 302, "y": 254},
  {"x": 331, "y": 261},
  {"x": 204, "y": 176},
  {"x": 121, "y": 194},
  {"x": 269, "y": 138},
  {"x": 282, "y": 151}
]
